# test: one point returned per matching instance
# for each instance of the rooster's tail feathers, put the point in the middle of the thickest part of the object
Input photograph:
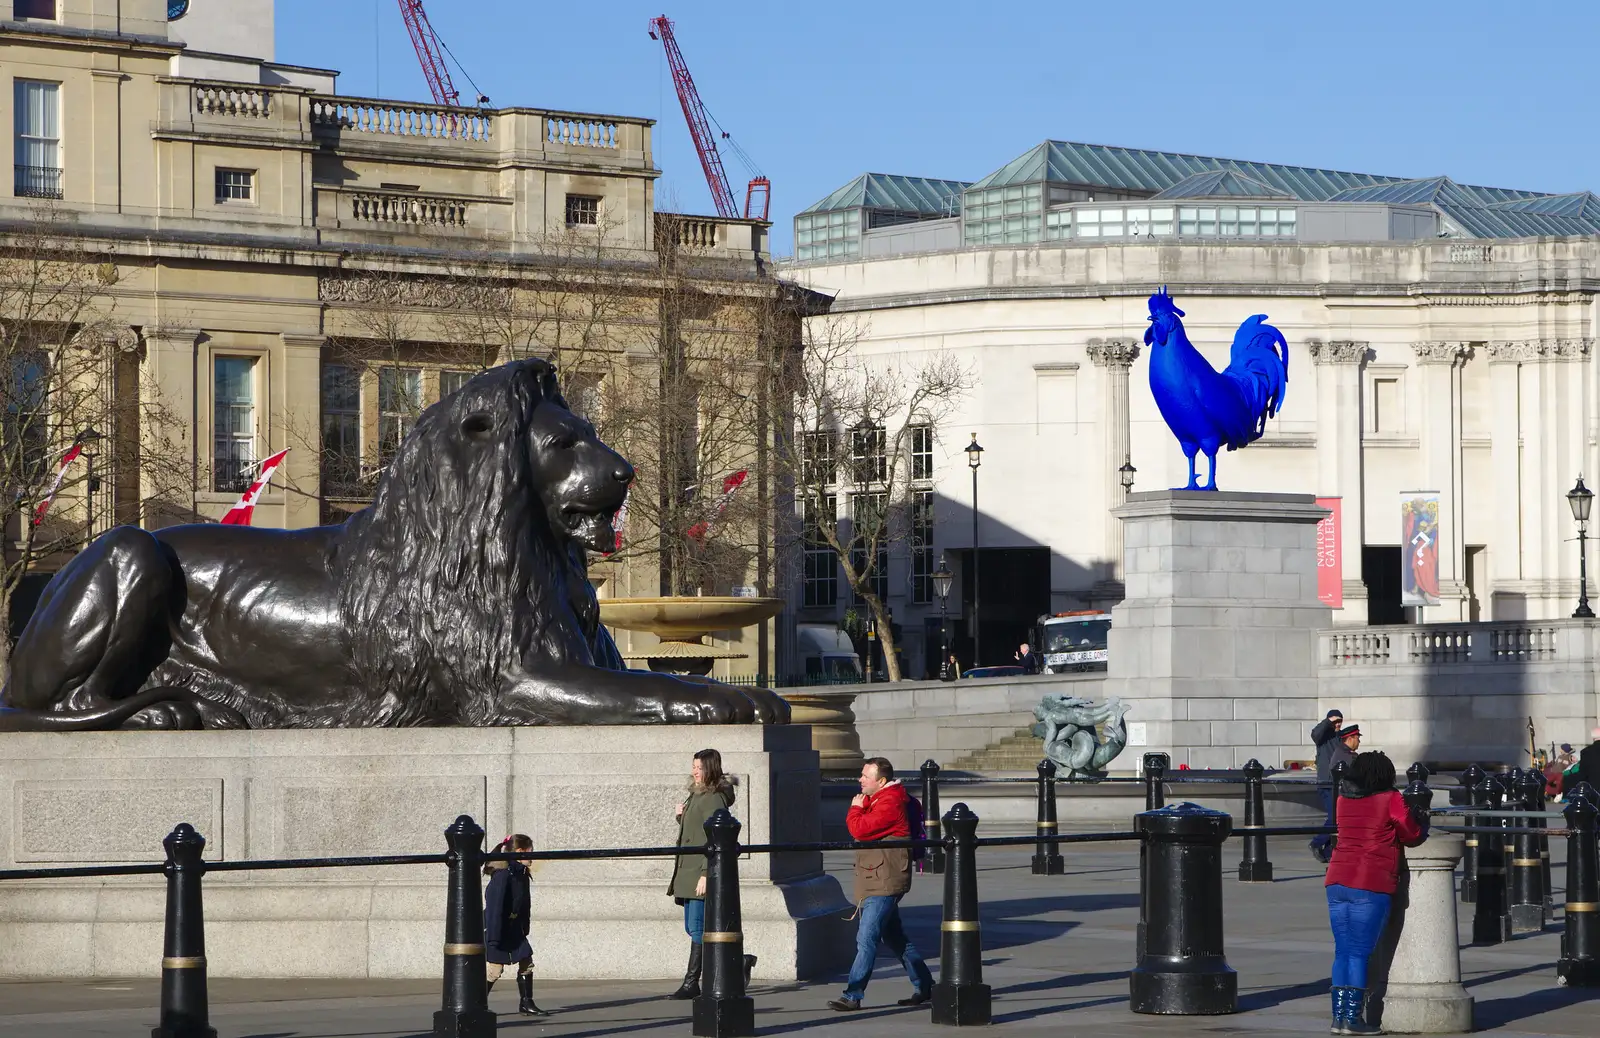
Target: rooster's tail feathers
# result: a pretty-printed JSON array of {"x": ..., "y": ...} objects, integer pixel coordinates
[{"x": 1259, "y": 362}]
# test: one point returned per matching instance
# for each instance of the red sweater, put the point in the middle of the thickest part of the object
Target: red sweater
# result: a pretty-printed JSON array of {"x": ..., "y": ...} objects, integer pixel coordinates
[
  {"x": 882, "y": 817},
  {"x": 1371, "y": 832}
]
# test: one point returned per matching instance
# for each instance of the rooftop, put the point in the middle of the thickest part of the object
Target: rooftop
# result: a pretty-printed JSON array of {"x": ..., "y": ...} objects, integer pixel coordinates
[{"x": 898, "y": 193}]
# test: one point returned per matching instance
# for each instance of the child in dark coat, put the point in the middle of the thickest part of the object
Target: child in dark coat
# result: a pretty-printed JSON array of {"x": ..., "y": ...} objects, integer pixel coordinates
[{"x": 507, "y": 906}]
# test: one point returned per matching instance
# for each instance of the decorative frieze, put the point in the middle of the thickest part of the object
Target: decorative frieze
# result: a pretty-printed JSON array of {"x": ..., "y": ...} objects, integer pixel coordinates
[
  {"x": 1539, "y": 349},
  {"x": 1339, "y": 351},
  {"x": 1114, "y": 352},
  {"x": 367, "y": 290},
  {"x": 1441, "y": 352}
]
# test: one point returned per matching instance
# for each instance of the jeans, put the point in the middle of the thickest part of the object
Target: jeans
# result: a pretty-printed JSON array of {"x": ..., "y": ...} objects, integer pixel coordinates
[
  {"x": 1357, "y": 918},
  {"x": 694, "y": 919},
  {"x": 880, "y": 920},
  {"x": 1320, "y": 842}
]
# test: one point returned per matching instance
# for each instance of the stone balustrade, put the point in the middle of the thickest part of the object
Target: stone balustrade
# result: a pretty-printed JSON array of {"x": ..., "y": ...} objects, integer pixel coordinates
[
  {"x": 402, "y": 119},
  {"x": 1514, "y": 641},
  {"x": 231, "y": 100},
  {"x": 408, "y": 211},
  {"x": 582, "y": 131}
]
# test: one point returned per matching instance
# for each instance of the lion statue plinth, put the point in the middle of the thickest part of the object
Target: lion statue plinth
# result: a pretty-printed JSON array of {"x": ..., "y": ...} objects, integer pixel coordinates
[{"x": 460, "y": 596}]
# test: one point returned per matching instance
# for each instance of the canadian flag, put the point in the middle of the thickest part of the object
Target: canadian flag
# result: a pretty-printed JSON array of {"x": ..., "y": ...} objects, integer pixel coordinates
[
  {"x": 701, "y": 530},
  {"x": 240, "y": 514},
  {"x": 617, "y": 523},
  {"x": 61, "y": 474}
]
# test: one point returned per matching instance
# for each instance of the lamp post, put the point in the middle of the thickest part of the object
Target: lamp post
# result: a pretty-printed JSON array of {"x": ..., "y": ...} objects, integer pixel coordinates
[
  {"x": 86, "y": 437},
  {"x": 1580, "y": 498},
  {"x": 1126, "y": 473},
  {"x": 942, "y": 578},
  {"x": 974, "y": 459}
]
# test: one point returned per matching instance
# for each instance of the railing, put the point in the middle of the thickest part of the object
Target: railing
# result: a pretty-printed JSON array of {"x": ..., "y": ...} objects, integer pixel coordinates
[
  {"x": 356, "y": 115},
  {"x": 229, "y": 99},
  {"x": 690, "y": 232},
  {"x": 37, "y": 182},
  {"x": 408, "y": 210},
  {"x": 580, "y": 131},
  {"x": 1431, "y": 644}
]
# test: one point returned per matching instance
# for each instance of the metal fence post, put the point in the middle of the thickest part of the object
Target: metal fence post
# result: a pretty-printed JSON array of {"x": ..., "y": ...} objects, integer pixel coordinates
[
  {"x": 1182, "y": 970},
  {"x": 184, "y": 1007},
  {"x": 1047, "y": 859},
  {"x": 1490, "y": 924},
  {"x": 1526, "y": 875},
  {"x": 961, "y": 997},
  {"x": 1155, "y": 766},
  {"x": 464, "y": 1012},
  {"x": 1254, "y": 867},
  {"x": 930, "y": 811},
  {"x": 723, "y": 1010},
  {"x": 1472, "y": 781},
  {"x": 1579, "y": 965},
  {"x": 1417, "y": 795}
]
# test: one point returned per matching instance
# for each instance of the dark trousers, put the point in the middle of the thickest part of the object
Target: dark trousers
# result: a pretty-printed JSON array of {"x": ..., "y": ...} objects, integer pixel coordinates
[{"x": 1321, "y": 844}]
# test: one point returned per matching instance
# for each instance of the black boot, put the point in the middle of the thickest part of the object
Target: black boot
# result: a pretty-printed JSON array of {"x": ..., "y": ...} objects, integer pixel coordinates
[
  {"x": 525, "y": 989},
  {"x": 690, "y": 988},
  {"x": 749, "y": 967}
]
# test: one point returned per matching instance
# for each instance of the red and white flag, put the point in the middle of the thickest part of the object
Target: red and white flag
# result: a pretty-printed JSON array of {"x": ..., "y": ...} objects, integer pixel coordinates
[
  {"x": 701, "y": 530},
  {"x": 617, "y": 523},
  {"x": 240, "y": 514},
  {"x": 61, "y": 474}
]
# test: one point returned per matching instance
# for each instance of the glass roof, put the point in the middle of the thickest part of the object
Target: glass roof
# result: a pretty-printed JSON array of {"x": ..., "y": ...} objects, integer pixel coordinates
[
  {"x": 1584, "y": 204},
  {"x": 901, "y": 194},
  {"x": 1220, "y": 183},
  {"x": 1486, "y": 222}
]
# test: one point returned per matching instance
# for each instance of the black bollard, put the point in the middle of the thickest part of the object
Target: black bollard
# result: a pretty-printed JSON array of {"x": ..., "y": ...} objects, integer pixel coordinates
[
  {"x": 1525, "y": 878},
  {"x": 1155, "y": 767},
  {"x": 1490, "y": 923},
  {"x": 1047, "y": 859},
  {"x": 1545, "y": 883},
  {"x": 1471, "y": 778},
  {"x": 1182, "y": 970},
  {"x": 1579, "y": 965},
  {"x": 1254, "y": 867},
  {"x": 465, "y": 1011},
  {"x": 961, "y": 998},
  {"x": 1417, "y": 795},
  {"x": 184, "y": 1007},
  {"x": 723, "y": 1010},
  {"x": 930, "y": 813}
]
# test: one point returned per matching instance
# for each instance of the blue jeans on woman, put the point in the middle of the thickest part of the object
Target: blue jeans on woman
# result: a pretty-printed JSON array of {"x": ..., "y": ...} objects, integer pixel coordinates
[
  {"x": 1357, "y": 918},
  {"x": 694, "y": 919},
  {"x": 880, "y": 920}
]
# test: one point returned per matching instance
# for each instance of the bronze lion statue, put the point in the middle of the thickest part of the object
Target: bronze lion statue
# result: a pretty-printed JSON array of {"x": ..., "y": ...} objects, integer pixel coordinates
[{"x": 460, "y": 596}]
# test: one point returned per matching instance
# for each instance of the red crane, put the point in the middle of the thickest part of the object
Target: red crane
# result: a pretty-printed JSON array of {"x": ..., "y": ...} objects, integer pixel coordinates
[
  {"x": 705, "y": 144},
  {"x": 430, "y": 52}
]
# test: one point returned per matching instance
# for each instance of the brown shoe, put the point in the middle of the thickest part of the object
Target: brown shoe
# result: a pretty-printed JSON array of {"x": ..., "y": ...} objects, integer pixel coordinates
[{"x": 844, "y": 1005}]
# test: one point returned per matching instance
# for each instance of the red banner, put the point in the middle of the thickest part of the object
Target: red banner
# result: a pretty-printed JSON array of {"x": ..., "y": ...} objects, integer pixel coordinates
[{"x": 1330, "y": 566}]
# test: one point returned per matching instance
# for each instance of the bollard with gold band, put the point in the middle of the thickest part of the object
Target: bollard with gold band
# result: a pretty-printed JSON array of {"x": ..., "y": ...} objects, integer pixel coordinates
[
  {"x": 184, "y": 1005},
  {"x": 1490, "y": 922},
  {"x": 1471, "y": 782},
  {"x": 1047, "y": 859},
  {"x": 934, "y": 862},
  {"x": 1579, "y": 965},
  {"x": 961, "y": 998},
  {"x": 1525, "y": 876},
  {"x": 464, "y": 1010},
  {"x": 1254, "y": 867},
  {"x": 722, "y": 1009}
]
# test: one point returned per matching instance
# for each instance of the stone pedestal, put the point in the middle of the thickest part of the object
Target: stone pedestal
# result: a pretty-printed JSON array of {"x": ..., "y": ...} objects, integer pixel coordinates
[
  {"x": 1422, "y": 992},
  {"x": 1214, "y": 646},
  {"x": 91, "y": 798},
  {"x": 833, "y": 727}
]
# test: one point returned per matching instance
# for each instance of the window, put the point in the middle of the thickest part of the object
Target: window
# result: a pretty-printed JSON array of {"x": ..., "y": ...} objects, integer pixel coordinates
[
  {"x": 235, "y": 185},
  {"x": 582, "y": 393},
  {"x": 869, "y": 522},
  {"x": 820, "y": 586},
  {"x": 233, "y": 421},
  {"x": 38, "y": 144},
  {"x": 1003, "y": 215},
  {"x": 1387, "y": 415},
  {"x": 922, "y": 452},
  {"x": 818, "y": 450},
  {"x": 869, "y": 454},
  {"x": 450, "y": 381},
  {"x": 399, "y": 402},
  {"x": 341, "y": 429},
  {"x": 835, "y": 235},
  {"x": 583, "y": 211},
  {"x": 922, "y": 546},
  {"x": 34, "y": 9}
]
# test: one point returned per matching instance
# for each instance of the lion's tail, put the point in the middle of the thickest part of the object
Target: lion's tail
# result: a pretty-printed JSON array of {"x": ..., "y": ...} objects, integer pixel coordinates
[{"x": 13, "y": 720}]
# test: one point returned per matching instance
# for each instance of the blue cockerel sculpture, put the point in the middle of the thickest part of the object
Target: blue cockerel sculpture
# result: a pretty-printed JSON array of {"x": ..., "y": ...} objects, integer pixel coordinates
[{"x": 1206, "y": 409}]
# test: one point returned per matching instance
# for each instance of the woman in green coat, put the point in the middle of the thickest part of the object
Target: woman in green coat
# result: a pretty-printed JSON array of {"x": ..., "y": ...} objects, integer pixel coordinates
[{"x": 709, "y": 791}]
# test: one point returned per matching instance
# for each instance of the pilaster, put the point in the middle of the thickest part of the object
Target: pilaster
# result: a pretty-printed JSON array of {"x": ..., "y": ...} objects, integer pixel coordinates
[
  {"x": 301, "y": 380},
  {"x": 171, "y": 358},
  {"x": 1115, "y": 357},
  {"x": 1439, "y": 364},
  {"x": 105, "y": 112},
  {"x": 1339, "y": 408}
]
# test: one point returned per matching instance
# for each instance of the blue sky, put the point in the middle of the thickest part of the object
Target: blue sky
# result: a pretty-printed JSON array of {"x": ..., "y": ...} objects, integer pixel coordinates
[{"x": 819, "y": 91}]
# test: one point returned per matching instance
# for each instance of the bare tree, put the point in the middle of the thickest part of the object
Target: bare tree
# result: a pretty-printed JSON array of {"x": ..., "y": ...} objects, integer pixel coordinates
[{"x": 862, "y": 423}]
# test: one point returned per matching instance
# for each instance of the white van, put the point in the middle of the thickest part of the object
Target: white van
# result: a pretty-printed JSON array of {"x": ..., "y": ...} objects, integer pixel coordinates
[{"x": 826, "y": 655}]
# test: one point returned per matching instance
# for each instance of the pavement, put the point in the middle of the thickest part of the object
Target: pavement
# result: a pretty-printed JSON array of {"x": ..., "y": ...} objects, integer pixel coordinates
[{"x": 1056, "y": 952}]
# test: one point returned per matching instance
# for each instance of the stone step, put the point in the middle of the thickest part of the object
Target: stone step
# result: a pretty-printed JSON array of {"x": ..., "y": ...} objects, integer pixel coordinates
[{"x": 1019, "y": 751}]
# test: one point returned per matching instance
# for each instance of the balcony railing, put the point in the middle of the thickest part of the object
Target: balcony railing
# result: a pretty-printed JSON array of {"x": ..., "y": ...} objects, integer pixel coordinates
[
  {"x": 419, "y": 211},
  {"x": 1513, "y": 641},
  {"x": 397, "y": 118},
  {"x": 38, "y": 182}
]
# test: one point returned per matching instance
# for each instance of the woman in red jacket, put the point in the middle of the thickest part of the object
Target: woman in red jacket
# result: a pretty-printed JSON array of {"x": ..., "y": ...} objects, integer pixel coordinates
[{"x": 1374, "y": 822}]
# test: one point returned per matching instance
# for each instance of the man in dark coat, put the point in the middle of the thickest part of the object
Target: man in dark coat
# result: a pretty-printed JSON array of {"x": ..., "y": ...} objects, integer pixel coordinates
[
  {"x": 1027, "y": 659},
  {"x": 1588, "y": 766},
  {"x": 1323, "y": 737}
]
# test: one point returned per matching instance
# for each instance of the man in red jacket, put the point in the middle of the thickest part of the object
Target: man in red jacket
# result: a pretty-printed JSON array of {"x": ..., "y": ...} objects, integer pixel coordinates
[{"x": 883, "y": 875}]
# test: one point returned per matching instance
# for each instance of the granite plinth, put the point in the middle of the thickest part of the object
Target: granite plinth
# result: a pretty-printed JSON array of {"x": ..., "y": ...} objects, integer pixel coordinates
[{"x": 95, "y": 798}]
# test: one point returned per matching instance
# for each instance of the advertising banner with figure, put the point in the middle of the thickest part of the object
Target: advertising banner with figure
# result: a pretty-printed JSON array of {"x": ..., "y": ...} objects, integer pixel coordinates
[
  {"x": 1330, "y": 567},
  {"x": 1419, "y": 548}
]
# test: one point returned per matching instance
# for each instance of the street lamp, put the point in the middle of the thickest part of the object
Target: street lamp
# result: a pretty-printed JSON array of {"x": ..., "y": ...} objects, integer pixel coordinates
[
  {"x": 1126, "y": 474},
  {"x": 85, "y": 437},
  {"x": 942, "y": 579},
  {"x": 974, "y": 459},
  {"x": 1580, "y": 498}
]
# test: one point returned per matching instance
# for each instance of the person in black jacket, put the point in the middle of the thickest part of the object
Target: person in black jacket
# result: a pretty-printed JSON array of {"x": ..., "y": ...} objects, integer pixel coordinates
[
  {"x": 1324, "y": 738},
  {"x": 507, "y": 905},
  {"x": 1588, "y": 766}
]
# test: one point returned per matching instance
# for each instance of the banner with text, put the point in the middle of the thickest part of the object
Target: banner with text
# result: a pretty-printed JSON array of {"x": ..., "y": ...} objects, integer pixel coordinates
[
  {"x": 1419, "y": 548},
  {"x": 1330, "y": 567}
]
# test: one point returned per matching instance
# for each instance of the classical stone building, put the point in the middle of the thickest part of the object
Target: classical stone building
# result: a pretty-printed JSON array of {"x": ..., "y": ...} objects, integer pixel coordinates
[
  {"x": 294, "y": 268},
  {"x": 1441, "y": 339}
]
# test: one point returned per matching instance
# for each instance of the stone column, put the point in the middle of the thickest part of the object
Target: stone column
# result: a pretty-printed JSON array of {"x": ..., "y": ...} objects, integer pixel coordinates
[
  {"x": 1339, "y": 461},
  {"x": 1423, "y": 992},
  {"x": 1508, "y": 594},
  {"x": 1439, "y": 367},
  {"x": 1115, "y": 357}
]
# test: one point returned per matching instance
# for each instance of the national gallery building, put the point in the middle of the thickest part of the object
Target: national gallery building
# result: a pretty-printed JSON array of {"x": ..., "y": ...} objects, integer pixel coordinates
[{"x": 1441, "y": 341}]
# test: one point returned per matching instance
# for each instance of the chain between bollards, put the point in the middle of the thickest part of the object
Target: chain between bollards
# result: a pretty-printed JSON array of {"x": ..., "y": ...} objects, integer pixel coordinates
[
  {"x": 1579, "y": 965},
  {"x": 1470, "y": 780},
  {"x": 1182, "y": 969},
  {"x": 185, "y": 1010},
  {"x": 1525, "y": 875},
  {"x": 464, "y": 1012},
  {"x": 723, "y": 1010},
  {"x": 1047, "y": 860},
  {"x": 1254, "y": 867},
  {"x": 930, "y": 816},
  {"x": 961, "y": 998}
]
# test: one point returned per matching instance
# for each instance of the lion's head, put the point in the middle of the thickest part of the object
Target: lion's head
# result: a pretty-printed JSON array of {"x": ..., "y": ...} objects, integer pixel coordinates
[{"x": 581, "y": 481}]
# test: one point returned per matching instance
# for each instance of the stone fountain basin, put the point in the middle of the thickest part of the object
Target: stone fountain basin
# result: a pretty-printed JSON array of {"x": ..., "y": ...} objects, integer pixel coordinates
[{"x": 687, "y": 619}]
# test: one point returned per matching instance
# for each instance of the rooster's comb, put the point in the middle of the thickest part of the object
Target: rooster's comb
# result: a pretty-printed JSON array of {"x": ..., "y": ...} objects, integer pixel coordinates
[{"x": 1162, "y": 303}]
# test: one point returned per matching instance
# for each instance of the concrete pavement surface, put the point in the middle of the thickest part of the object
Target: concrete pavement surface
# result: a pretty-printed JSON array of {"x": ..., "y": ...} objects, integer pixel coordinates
[{"x": 1056, "y": 951}]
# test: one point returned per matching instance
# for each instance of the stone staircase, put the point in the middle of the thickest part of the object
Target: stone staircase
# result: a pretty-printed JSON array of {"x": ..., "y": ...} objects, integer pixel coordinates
[{"x": 1019, "y": 751}]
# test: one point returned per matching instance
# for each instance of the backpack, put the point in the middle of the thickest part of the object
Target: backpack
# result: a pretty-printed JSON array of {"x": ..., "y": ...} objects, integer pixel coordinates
[{"x": 917, "y": 822}]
